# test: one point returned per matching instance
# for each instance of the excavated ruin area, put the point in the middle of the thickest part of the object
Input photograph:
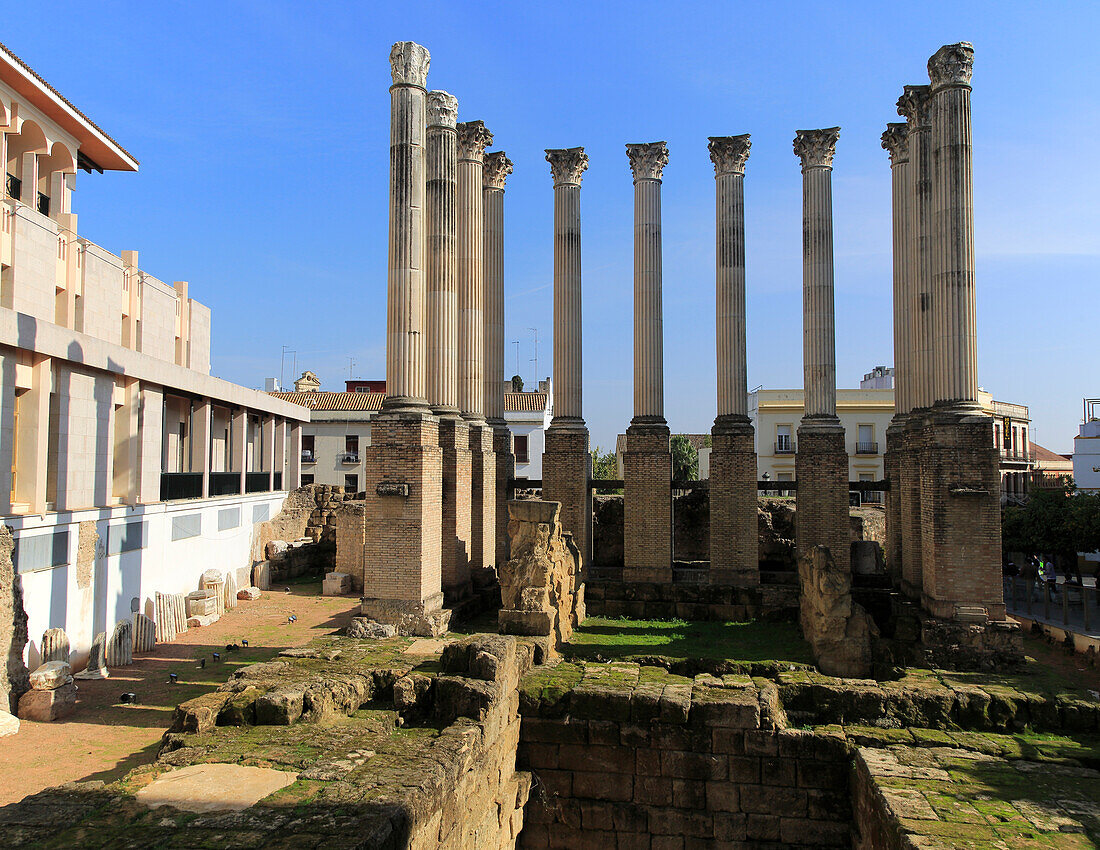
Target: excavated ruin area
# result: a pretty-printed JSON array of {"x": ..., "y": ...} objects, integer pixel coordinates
[{"x": 478, "y": 744}]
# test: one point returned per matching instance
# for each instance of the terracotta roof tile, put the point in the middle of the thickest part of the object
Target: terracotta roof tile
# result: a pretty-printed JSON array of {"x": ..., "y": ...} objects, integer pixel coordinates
[
  {"x": 371, "y": 402},
  {"x": 524, "y": 402}
]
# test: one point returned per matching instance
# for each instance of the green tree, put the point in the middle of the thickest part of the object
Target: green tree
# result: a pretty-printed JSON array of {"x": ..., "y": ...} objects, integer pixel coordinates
[
  {"x": 1057, "y": 521},
  {"x": 605, "y": 466},
  {"x": 685, "y": 459},
  {"x": 517, "y": 384}
]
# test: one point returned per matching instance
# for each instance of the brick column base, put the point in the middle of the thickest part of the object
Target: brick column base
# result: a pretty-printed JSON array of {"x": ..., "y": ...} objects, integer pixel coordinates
[
  {"x": 401, "y": 558},
  {"x": 647, "y": 504},
  {"x": 821, "y": 469},
  {"x": 960, "y": 518},
  {"x": 566, "y": 471},
  {"x": 454, "y": 439},
  {"x": 734, "y": 528},
  {"x": 909, "y": 507},
  {"x": 483, "y": 505},
  {"x": 892, "y": 469},
  {"x": 505, "y": 468}
]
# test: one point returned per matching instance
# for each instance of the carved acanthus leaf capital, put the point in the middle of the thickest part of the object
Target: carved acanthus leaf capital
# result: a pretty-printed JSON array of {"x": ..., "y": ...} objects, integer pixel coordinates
[
  {"x": 473, "y": 139},
  {"x": 816, "y": 147},
  {"x": 567, "y": 164},
  {"x": 952, "y": 65},
  {"x": 896, "y": 141},
  {"x": 648, "y": 160},
  {"x": 729, "y": 153},
  {"x": 409, "y": 63},
  {"x": 915, "y": 106},
  {"x": 442, "y": 109},
  {"x": 497, "y": 169}
]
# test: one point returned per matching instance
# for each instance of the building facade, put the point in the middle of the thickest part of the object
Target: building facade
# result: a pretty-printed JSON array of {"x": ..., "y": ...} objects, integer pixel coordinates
[
  {"x": 1086, "y": 449},
  {"x": 126, "y": 468}
]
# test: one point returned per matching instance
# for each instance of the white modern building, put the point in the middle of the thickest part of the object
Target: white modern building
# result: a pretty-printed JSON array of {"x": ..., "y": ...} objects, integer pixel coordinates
[
  {"x": 1086, "y": 449},
  {"x": 126, "y": 468}
]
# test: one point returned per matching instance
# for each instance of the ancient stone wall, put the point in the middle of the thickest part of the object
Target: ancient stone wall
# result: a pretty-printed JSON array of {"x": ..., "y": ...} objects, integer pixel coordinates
[
  {"x": 350, "y": 525},
  {"x": 691, "y": 526},
  {"x": 838, "y": 630},
  {"x": 14, "y": 677},
  {"x": 607, "y": 531},
  {"x": 688, "y": 601}
]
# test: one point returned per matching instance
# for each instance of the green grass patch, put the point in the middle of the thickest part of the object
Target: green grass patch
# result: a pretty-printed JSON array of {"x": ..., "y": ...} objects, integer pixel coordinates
[{"x": 604, "y": 638}]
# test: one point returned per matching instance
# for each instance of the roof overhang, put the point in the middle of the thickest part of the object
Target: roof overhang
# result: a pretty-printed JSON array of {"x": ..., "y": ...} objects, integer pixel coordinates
[{"x": 98, "y": 151}]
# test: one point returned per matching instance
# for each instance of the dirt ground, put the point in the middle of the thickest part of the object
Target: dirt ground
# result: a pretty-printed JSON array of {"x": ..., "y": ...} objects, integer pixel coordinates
[{"x": 104, "y": 739}]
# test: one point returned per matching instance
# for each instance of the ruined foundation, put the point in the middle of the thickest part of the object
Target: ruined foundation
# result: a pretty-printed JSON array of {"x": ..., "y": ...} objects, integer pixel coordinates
[{"x": 566, "y": 470}]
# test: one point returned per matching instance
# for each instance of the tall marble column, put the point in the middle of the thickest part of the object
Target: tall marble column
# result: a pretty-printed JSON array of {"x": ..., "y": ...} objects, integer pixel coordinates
[
  {"x": 821, "y": 460},
  {"x": 454, "y": 434},
  {"x": 734, "y": 535},
  {"x": 896, "y": 141},
  {"x": 647, "y": 462},
  {"x": 473, "y": 139},
  {"x": 960, "y": 501},
  {"x": 403, "y": 464},
  {"x": 496, "y": 171},
  {"x": 566, "y": 462}
]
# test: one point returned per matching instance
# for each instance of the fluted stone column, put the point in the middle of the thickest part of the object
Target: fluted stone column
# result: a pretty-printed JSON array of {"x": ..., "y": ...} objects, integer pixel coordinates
[
  {"x": 647, "y": 462},
  {"x": 496, "y": 171},
  {"x": 473, "y": 139},
  {"x": 734, "y": 535},
  {"x": 821, "y": 461},
  {"x": 454, "y": 433},
  {"x": 960, "y": 502},
  {"x": 403, "y": 464},
  {"x": 915, "y": 106},
  {"x": 896, "y": 141},
  {"x": 566, "y": 461}
]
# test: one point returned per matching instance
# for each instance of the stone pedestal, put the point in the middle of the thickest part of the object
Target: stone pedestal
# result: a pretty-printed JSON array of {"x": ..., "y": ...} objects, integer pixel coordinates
[
  {"x": 821, "y": 470},
  {"x": 504, "y": 462},
  {"x": 734, "y": 535},
  {"x": 402, "y": 554},
  {"x": 960, "y": 519},
  {"x": 647, "y": 505},
  {"x": 566, "y": 472},
  {"x": 483, "y": 503},
  {"x": 454, "y": 440},
  {"x": 892, "y": 464}
]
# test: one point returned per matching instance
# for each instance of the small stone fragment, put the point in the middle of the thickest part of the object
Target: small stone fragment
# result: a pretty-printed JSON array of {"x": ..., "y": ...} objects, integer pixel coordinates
[
  {"x": 145, "y": 633},
  {"x": 120, "y": 648},
  {"x": 9, "y": 724},
  {"x": 55, "y": 645},
  {"x": 97, "y": 667},
  {"x": 51, "y": 675},
  {"x": 249, "y": 593}
]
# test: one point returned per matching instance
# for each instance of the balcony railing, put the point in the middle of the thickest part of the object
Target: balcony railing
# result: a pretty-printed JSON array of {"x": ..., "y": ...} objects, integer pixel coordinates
[
  {"x": 784, "y": 447},
  {"x": 180, "y": 485},
  {"x": 14, "y": 187},
  {"x": 1018, "y": 456},
  {"x": 43, "y": 204},
  {"x": 256, "y": 482},
  {"x": 225, "y": 483},
  {"x": 866, "y": 448},
  {"x": 307, "y": 456},
  {"x": 278, "y": 481},
  {"x": 349, "y": 457}
]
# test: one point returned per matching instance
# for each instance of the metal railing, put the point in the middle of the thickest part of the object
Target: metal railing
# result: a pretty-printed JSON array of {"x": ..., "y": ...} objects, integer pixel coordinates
[
  {"x": 307, "y": 456},
  {"x": 349, "y": 457},
  {"x": 180, "y": 485},
  {"x": 14, "y": 187},
  {"x": 43, "y": 204},
  {"x": 1017, "y": 455},
  {"x": 256, "y": 482},
  {"x": 225, "y": 483},
  {"x": 1074, "y": 606},
  {"x": 867, "y": 448},
  {"x": 784, "y": 447}
]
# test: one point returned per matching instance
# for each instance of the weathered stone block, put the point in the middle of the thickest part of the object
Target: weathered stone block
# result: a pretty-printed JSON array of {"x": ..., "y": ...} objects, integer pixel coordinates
[
  {"x": 50, "y": 705},
  {"x": 51, "y": 675},
  {"x": 336, "y": 584}
]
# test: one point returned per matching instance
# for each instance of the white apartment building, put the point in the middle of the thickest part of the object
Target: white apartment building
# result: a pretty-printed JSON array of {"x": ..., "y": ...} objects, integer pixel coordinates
[
  {"x": 1086, "y": 449},
  {"x": 339, "y": 429},
  {"x": 127, "y": 469}
]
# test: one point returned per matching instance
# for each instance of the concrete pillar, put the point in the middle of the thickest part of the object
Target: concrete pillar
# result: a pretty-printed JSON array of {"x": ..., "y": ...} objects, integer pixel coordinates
[
  {"x": 896, "y": 141},
  {"x": 454, "y": 433},
  {"x": 566, "y": 461},
  {"x": 647, "y": 462},
  {"x": 152, "y": 434},
  {"x": 496, "y": 171},
  {"x": 293, "y": 478},
  {"x": 267, "y": 444},
  {"x": 473, "y": 139},
  {"x": 403, "y": 466},
  {"x": 405, "y": 344},
  {"x": 280, "y": 455},
  {"x": 238, "y": 437},
  {"x": 200, "y": 441},
  {"x": 955, "y": 323},
  {"x": 821, "y": 462},
  {"x": 734, "y": 534},
  {"x": 914, "y": 106}
]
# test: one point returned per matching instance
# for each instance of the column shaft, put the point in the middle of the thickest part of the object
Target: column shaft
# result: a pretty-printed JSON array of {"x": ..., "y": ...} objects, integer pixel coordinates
[
  {"x": 896, "y": 141},
  {"x": 649, "y": 390},
  {"x": 497, "y": 167},
  {"x": 441, "y": 226},
  {"x": 473, "y": 138},
  {"x": 818, "y": 331}
]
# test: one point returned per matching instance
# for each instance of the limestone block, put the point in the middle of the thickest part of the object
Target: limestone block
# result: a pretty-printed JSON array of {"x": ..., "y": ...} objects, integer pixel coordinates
[
  {"x": 249, "y": 593},
  {"x": 97, "y": 657},
  {"x": 336, "y": 584},
  {"x": 47, "y": 706},
  {"x": 202, "y": 603},
  {"x": 231, "y": 589},
  {"x": 362, "y": 627},
  {"x": 214, "y": 582},
  {"x": 144, "y": 632},
  {"x": 838, "y": 630},
  {"x": 261, "y": 575},
  {"x": 51, "y": 675},
  {"x": 170, "y": 613},
  {"x": 212, "y": 576},
  {"x": 55, "y": 645},
  {"x": 120, "y": 647},
  {"x": 276, "y": 549},
  {"x": 200, "y": 620},
  {"x": 9, "y": 724}
]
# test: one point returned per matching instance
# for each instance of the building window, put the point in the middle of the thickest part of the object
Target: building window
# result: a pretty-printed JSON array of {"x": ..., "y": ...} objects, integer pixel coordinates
[
  {"x": 307, "y": 478},
  {"x": 351, "y": 448},
  {"x": 783, "y": 444},
  {"x": 996, "y": 435},
  {"x": 307, "y": 450},
  {"x": 520, "y": 449},
  {"x": 865, "y": 443},
  {"x": 351, "y": 483},
  {"x": 43, "y": 204}
]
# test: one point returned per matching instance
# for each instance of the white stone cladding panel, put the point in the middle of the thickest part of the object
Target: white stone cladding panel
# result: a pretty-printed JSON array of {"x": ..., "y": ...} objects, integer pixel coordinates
[
  {"x": 158, "y": 320},
  {"x": 85, "y": 410},
  {"x": 152, "y": 420},
  {"x": 8, "y": 360},
  {"x": 102, "y": 294},
  {"x": 34, "y": 265},
  {"x": 200, "y": 338}
]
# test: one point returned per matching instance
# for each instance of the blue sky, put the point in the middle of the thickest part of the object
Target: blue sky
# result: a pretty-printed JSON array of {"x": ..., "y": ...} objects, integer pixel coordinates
[{"x": 262, "y": 131}]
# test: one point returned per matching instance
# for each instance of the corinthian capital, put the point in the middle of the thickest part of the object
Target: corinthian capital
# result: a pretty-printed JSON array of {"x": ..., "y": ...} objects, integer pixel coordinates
[
  {"x": 729, "y": 153},
  {"x": 915, "y": 106},
  {"x": 816, "y": 147},
  {"x": 442, "y": 109},
  {"x": 952, "y": 65},
  {"x": 567, "y": 164},
  {"x": 497, "y": 169},
  {"x": 896, "y": 141},
  {"x": 473, "y": 139},
  {"x": 648, "y": 160},
  {"x": 409, "y": 63}
]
